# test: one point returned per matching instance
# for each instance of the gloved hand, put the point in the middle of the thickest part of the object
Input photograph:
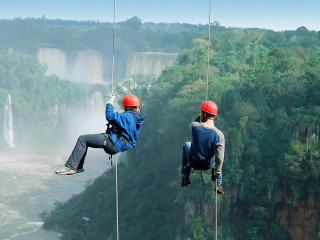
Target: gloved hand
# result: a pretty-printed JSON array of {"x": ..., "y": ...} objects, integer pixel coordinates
[
  {"x": 214, "y": 175},
  {"x": 111, "y": 99}
]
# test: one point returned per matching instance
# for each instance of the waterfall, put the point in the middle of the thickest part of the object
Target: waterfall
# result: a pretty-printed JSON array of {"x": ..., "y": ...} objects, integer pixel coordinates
[
  {"x": 96, "y": 103},
  {"x": 55, "y": 59},
  {"x": 7, "y": 123},
  {"x": 151, "y": 63},
  {"x": 88, "y": 68}
]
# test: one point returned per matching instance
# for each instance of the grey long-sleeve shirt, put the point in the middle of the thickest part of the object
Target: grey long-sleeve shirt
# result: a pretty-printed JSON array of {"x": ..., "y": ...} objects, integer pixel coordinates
[{"x": 207, "y": 143}]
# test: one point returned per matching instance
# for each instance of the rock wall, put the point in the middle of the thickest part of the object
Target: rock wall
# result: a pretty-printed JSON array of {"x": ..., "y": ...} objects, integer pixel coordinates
[
  {"x": 149, "y": 63},
  {"x": 300, "y": 220}
]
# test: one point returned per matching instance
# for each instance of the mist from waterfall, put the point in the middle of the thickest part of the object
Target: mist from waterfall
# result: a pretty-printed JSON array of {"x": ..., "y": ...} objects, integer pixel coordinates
[{"x": 7, "y": 123}]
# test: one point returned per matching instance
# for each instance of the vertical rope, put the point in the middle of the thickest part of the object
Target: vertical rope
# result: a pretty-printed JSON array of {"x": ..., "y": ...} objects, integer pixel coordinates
[
  {"x": 208, "y": 68},
  {"x": 208, "y": 50},
  {"x": 112, "y": 86},
  {"x": 216, "y": 220},
  {"x": 117, "y": 205},
  {"x": 114, "y": 30}
]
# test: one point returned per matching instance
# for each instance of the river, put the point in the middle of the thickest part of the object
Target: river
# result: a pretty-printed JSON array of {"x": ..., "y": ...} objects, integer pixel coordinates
[{"x": 29, "y": 186}]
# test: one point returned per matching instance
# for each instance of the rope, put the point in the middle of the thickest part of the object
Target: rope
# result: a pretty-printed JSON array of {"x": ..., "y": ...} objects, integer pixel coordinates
[
  {"x": 114, "y": 30},
  {"x": 216, "y": 211},
  {"x": 112, "y": 80},
  {"x": 117, "y": 204},
  {"x": 208, "y": 50},
  {"x": 208, "y": 67}
]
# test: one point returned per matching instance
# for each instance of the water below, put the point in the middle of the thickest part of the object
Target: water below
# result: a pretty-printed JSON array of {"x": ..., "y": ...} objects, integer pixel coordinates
[{"x": 29, "y": 186}]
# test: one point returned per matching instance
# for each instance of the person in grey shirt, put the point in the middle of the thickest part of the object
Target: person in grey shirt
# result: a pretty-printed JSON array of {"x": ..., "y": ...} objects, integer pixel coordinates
[{"x": 206, "y": 151}]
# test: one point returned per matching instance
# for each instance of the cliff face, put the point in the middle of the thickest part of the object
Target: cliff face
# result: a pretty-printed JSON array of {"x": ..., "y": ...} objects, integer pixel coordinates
[
  {"x": 299, "y": 219},
  {"x": 149, "y": 63}
]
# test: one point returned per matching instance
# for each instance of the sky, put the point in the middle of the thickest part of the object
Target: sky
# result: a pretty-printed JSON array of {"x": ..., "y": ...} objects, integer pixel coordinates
[{"x": 278, "y": 15}]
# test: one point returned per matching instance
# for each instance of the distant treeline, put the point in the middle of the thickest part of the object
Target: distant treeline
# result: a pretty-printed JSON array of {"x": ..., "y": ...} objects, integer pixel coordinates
[{"x": 27, "y": 35}]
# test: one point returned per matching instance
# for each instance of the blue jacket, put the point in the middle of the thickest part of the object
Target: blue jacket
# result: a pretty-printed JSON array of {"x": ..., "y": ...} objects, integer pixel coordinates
[{"x": 127, "y": 125}]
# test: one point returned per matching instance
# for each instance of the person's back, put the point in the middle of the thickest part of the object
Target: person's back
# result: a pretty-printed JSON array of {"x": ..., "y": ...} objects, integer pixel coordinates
[
  {"x": 206, "y": 151},
  {"x": 204, "y": 141}
]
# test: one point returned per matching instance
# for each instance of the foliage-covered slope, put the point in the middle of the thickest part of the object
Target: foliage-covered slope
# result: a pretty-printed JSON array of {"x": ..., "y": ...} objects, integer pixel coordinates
[
  {"x": 268, "y": 98},
  {"x": 34, "y": 99}
]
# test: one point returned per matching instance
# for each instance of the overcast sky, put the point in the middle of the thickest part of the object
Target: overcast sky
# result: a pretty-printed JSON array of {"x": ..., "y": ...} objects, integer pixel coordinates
[{"x": 269, "y": 14}]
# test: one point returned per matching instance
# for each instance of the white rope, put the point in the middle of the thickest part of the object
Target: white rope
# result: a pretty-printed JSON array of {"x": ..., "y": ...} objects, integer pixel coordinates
[
  {"x": 208, "y": 50},
  {"x": 208, "y": 68},
  {"x": 216, "y": 215},
  {"x": 117, "y": 204},
  {"x": 114, "y": 30},
  {"x": 112, "y": 80}
]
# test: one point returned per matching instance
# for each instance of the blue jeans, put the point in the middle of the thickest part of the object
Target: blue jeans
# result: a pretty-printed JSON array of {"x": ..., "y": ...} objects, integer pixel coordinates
[
  {"x": 187, "y": 161},
  {"x": 78, "y": 155}
]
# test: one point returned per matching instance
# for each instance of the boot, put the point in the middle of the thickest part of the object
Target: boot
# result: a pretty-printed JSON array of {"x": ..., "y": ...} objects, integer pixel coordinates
[
  {"x": 219, "y": 188},
  {"x": 186, "y": 181}
]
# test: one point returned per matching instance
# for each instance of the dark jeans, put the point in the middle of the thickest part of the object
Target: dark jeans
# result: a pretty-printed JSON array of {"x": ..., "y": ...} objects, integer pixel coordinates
[
  {"x": 188, "y": 162},
  {"x": 78, "y": 155}
]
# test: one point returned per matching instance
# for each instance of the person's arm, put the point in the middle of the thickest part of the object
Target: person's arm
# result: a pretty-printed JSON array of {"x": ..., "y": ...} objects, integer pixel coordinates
[
  {"x": 111, "y": 115},
  {"x": 219, "y": 156}
]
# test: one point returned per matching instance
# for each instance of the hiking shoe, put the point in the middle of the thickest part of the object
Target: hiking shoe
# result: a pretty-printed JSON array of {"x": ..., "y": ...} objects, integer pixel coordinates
[
  {"x": 65, "y": 171},
  {"x": 80, "y": 170},
  {"x": 219, "y": 188},
  {"x": 186, "y": 181}
]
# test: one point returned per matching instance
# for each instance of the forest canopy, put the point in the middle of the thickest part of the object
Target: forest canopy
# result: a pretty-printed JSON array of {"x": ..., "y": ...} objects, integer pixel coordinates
[{"x": 267, "y": 87}]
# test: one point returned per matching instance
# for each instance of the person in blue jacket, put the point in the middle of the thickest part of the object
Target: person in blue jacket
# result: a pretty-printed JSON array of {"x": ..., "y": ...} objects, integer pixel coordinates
[
  {"x": 121, "y": 136},
  {"x": 206, "y": 151}
]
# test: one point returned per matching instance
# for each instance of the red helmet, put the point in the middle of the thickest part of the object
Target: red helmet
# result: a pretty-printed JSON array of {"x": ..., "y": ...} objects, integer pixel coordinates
[
  {"x": 130, "y": 100},
  {"x": 209, "y": 107}
]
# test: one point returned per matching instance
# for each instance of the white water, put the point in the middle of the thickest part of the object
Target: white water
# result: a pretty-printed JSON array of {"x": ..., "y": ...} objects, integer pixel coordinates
[
  {"x": 29, "y": 186},
  {"x": 7, "y": 123},
  {"x": 87, "y": 68},
  {"x": 55, "y": 60},
  {"x": 151, "y": 63}
]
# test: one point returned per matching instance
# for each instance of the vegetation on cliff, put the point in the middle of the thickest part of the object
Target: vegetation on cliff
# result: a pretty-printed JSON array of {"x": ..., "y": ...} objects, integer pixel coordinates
[
  {"x": 39, "y": 103},
  {"x": 267, "y": 87}
]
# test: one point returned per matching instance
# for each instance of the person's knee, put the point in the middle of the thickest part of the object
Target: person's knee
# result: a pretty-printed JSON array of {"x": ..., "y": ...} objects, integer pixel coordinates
[
  {"x": 82, "y": 138},
  {"x": 187, "y": 146}
]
